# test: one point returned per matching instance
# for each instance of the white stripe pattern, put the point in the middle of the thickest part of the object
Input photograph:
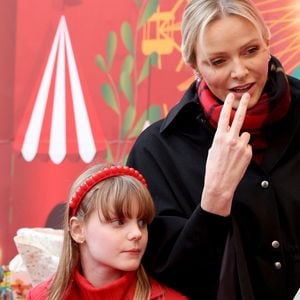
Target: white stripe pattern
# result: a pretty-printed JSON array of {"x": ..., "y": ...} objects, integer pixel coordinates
[{"x": 58, "y": 135}]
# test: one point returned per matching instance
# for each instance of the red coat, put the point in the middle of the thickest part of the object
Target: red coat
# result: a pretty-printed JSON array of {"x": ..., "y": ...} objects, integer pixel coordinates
[{"x": 121, "y": 289}]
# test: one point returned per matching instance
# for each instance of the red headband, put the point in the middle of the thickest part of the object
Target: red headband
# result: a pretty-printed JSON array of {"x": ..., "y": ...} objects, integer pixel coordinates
[{"x": 100, "y": 176}]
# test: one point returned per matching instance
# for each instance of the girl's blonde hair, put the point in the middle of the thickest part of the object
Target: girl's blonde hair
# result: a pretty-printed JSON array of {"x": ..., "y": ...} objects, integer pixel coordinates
[
  {"x": 199, "y": 13},
  {"x": 115, "y": 195}
]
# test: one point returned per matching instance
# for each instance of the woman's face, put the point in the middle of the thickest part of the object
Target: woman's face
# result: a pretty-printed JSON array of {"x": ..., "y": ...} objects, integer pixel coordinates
[{"x": 233, "y": 58}]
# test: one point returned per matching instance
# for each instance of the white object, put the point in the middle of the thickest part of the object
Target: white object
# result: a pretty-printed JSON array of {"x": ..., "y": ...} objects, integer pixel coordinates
[{"x": 39, "y": 251}]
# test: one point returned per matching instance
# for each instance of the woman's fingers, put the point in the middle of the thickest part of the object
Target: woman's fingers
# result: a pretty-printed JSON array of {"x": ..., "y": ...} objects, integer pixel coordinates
[
  {"x": 228, "y": 158},
  {"x": 240, "y": 114},
  {"x": 239, "y": 117},
  {"x": 245, "y": 137},
  {"x": 224, "y": 119}
]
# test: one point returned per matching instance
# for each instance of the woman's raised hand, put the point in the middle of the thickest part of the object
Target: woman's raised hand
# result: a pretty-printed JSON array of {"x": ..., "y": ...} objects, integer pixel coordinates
[{"x": 228, "y": 158}]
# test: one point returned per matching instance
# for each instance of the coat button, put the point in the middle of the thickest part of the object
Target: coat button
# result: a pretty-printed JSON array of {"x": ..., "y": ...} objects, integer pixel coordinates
[
  {"x": 275, "y": 244},
  {"x": 277, "y": 265},
  {"x": 264, "y": 184}
]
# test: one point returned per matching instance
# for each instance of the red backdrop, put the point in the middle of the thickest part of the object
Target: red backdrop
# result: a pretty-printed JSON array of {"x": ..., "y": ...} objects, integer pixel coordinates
[{"x": 124, "y": 61}]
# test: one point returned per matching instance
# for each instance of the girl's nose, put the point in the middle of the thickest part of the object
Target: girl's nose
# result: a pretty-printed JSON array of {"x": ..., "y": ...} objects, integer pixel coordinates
[{"x": 134, "y": 232}]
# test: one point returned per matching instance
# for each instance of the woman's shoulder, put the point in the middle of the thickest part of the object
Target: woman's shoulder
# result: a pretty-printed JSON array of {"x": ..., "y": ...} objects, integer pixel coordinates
[
  {"x": 149, "y": 136},
  {"x": 161, "y": 291},
  {"x": 294, "y": 86},
  {"x": 152, "y": 129}
]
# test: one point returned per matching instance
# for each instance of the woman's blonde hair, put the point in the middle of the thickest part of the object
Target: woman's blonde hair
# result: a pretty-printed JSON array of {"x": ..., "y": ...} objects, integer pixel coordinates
[
  {"x": 114, "y": 194},
  {"x": 199, "y": 13}
]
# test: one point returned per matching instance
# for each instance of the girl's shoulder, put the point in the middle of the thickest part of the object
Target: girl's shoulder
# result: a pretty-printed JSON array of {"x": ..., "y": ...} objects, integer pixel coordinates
[
  {"x": 161, "y": 291},
  {"x": 39, "y": 292}
]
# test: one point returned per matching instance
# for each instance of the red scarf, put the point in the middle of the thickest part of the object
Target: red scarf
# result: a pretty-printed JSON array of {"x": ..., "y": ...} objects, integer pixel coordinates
[{"x": 272, "y": 106}]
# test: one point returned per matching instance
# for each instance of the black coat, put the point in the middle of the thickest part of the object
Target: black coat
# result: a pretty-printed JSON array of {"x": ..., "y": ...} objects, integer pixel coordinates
[{"x": 186, "y": 244}]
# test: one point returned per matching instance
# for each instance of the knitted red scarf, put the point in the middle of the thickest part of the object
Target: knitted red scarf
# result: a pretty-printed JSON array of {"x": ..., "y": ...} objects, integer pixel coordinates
[{"x": 272, "y": 106}]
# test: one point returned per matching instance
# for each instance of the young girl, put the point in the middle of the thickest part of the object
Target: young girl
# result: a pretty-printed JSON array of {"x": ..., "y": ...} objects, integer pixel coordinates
[{"x": 105, "y": 236}]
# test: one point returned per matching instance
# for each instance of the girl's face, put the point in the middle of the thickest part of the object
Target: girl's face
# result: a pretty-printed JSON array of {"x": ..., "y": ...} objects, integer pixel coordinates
[
  {"x": 233, "y": 58},
  {"x": 115, "y": 246}
]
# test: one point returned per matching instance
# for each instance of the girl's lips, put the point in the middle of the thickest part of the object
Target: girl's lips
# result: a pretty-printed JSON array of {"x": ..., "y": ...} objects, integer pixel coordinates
[{"x": 133, "y": 250}]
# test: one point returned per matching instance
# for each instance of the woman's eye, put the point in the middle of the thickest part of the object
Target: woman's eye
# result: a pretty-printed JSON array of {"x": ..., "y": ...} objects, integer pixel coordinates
[
  {"x": 252, "y": 50},
  {"x": 217, "y": 62}
]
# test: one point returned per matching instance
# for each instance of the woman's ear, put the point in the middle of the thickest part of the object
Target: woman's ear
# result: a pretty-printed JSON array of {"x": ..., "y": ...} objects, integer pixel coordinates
[
  {"x": 77, "y": 230},
  {"x": 268, "y": 45}
]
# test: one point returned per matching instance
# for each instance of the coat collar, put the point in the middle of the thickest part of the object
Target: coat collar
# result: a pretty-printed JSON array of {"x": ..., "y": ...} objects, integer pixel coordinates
[{"x": 189, "y": 99}]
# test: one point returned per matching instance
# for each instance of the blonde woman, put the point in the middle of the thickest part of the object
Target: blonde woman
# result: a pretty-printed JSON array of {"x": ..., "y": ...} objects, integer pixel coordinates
[{"x": 223, "y": 167}]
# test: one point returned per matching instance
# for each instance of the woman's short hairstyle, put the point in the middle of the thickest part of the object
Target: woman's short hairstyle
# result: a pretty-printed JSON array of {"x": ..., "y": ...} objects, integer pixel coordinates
[{"x": 199, "y": 13}]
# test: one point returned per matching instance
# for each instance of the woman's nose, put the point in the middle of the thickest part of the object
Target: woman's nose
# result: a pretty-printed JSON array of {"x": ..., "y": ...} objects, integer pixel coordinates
[{"x": 239, "y": 69}]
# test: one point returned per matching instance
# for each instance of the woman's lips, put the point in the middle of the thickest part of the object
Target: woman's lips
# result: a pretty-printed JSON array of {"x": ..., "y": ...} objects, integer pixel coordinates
[
  {"x": 239, "y": 90},
  {"x": 242, "y": 88}
]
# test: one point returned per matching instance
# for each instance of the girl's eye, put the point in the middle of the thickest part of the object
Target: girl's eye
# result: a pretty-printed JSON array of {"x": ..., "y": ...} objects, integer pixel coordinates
[
  {"x": 142, "y": 223},
  {"x": 117, "y": 222}
]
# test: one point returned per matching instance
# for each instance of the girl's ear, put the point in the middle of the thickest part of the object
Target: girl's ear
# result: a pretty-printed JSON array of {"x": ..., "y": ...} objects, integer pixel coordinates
[{"x": 77, "y": 230}]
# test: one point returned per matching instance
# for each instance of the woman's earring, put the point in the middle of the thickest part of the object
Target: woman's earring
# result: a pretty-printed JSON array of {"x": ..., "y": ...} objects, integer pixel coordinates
[{"x": 197, "y": 75}]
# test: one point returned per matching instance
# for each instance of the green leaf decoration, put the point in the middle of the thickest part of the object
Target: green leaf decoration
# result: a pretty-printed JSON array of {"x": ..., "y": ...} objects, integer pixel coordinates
[
  {"x": 150, "y": 9},
  {"x": 111, "y": 48},
  {"x": 138, "y": 2},
  {"x": 109, "y": 97},
  {"x": 128, "y": 120},
  {"x": 101, "y": 63},
  {"x": 127, "y": 37},
  {"x": 152, "y": 114},
  {"x": 124, "y": 160},
  {"x": 126, "y": 86},
  {"x": 145, "y": 70},
  {"x": 109, "y": 155},
  {"x": 150, "y": 60},
  {"x": 128, "y": 64},
  {"x": 154, "y": 59}
]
